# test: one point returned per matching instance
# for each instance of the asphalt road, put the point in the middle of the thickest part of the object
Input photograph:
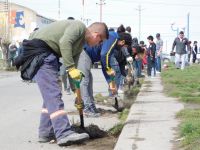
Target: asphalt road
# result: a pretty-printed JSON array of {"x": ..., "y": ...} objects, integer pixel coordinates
[{"x": 20, "y": 111}]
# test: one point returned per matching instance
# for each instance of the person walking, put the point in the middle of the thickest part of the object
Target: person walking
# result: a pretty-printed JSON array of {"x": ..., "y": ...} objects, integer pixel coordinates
[
  {"x": 43, "y": 50},
  {"x": 180, "y": 43}
]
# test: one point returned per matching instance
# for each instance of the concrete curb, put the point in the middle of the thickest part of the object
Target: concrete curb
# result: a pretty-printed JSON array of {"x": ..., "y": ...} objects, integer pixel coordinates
[{"x": 151, "y": 120}]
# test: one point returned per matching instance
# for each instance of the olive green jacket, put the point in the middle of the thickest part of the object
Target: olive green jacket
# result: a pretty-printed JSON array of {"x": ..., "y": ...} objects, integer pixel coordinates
[{"x": 65, "y": 37}]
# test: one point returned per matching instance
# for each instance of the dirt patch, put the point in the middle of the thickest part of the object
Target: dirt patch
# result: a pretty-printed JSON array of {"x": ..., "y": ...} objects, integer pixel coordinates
[
  {"x": 92, "y": 130},
  {"x": 106, "y": 143},
  {"x": 99, "y": 139}
]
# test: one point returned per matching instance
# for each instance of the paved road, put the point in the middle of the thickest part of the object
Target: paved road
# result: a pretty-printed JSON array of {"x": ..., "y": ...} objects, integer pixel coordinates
[{"x": 20, "y": 110}]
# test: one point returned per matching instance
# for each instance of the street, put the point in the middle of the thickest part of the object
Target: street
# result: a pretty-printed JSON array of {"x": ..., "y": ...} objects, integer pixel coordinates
[{"x": 20, "y": 112}]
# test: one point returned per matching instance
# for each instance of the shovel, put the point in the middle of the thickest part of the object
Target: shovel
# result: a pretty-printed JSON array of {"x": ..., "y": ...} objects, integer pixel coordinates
[{"x": 79, "y": 102}]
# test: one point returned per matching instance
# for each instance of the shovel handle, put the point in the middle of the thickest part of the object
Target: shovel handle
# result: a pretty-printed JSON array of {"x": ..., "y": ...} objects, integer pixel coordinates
[{"x": 79, "y": 101}]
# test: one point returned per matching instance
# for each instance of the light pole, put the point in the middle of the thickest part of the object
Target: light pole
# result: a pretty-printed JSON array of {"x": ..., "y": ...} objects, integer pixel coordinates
[
  {"x": 174, "y": 29},
  {"x": 101, "y": 3},
  {"x": 188, "y": 25},
  {"x": 58, "y": 9},
  {"x": 139, "y": 26},
  {"x": 83, "y": 10},
  {"x": 177, "y": 29}
]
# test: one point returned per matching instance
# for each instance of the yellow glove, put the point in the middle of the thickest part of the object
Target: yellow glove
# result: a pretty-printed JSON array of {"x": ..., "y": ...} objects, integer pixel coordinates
[
  {"x": 110, "y": 72},
  {"x": 75, "y": 73}
]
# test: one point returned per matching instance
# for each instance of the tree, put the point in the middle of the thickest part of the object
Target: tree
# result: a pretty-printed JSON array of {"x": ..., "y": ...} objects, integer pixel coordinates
[{"x": 4, "y": 43}]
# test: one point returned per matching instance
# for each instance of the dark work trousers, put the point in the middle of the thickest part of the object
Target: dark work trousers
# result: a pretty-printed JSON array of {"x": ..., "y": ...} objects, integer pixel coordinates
[{"x": 47, "y": 79}]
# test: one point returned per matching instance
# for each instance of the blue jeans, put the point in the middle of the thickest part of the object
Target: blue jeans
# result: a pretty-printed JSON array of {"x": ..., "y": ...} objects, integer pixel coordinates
[
  {"x": 115, "y": 66},
  {"x": 138, "y": 67},
  {"x": 151, "y": 67},
  {"x": 158, "y": 63}
]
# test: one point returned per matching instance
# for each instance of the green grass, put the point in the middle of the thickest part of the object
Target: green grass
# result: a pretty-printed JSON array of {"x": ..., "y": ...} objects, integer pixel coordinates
[
  {"x": 123, "y": 115},
  {"x": 190, "y": 128},
  {"x": 116, "y": 130},
  {"x": 185, "y": 85}
]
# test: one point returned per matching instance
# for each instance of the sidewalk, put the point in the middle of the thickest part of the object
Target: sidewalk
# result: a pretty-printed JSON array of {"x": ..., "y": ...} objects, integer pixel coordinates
[{"x": 151, "y": 122}]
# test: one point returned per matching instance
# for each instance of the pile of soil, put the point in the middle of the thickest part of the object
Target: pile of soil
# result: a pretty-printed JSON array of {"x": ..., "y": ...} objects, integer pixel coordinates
[{"x": 92, "y": 130}]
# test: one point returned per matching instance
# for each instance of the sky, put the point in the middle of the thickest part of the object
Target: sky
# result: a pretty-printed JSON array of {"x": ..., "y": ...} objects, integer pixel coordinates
[{"x": 156, "y": 15}]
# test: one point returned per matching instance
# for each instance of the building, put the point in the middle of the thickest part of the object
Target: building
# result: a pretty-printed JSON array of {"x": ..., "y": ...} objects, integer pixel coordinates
[{"x": 17, "y": 22}]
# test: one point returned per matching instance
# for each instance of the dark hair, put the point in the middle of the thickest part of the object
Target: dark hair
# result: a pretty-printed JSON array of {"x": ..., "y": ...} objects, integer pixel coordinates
[
  {"x": 181, "y": 32},
  {"x": 111, "y": 29},
  {"x": 158, "y": 35},
  {"x": 195, "y": 42},
  {"x": 106, "y": 30},
  {"x": 142, "y": 42},
  {"x": 70, "y": 18},
  {"x": 128, "y": 29},
  {"x": 134, "y": 41},
  {"x": 126, "y": 37},
  {"x": 150, "y": 37},
  {"x": 121, "y": 29}
]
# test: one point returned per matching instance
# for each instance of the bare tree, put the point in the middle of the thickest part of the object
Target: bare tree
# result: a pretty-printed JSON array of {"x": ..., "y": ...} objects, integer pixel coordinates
[{"x": 4, "y": 43}]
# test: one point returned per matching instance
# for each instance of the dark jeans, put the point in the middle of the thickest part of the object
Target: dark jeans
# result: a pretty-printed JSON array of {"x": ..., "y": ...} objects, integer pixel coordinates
[
  {"x": 138, "y": 67},
  {"x": 150, "y": 66}
]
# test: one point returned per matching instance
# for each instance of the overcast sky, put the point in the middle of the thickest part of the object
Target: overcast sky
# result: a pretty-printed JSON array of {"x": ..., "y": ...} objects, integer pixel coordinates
[{"x": 156, "y": 15}]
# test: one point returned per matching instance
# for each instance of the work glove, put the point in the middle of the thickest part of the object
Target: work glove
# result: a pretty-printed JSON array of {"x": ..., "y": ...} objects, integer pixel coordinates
[
  {"x": 129, "y": 59},
  {"x": 75, "y": 74},
  {"x": 110, "y": 72}
]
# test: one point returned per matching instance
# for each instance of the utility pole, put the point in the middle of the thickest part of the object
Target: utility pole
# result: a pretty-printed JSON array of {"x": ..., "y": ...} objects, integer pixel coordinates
[
  {"x": 87, "y": 21},
  {"x": 83, "y": 11},
  {"x": 58, "y": 9},
  {"x": 101, "y": 3},
  {"x": 139, "y": 28},
  {"x": 188, "y": 25}
]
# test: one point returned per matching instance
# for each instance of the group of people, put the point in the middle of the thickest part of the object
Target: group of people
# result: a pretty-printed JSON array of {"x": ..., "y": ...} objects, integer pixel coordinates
[{"x": 78, "y": 47}]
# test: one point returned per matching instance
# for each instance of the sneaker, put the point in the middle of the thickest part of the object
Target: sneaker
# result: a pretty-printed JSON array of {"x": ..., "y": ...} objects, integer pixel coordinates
[
  {"x": 46, "y": 139},
  {"x": 74, "y": 138},
  {"x": 91, "y": 114}
]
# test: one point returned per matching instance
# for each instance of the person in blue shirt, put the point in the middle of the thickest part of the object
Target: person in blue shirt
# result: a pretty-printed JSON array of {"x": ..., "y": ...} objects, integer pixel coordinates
[{"x": 103, "y": 53}]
